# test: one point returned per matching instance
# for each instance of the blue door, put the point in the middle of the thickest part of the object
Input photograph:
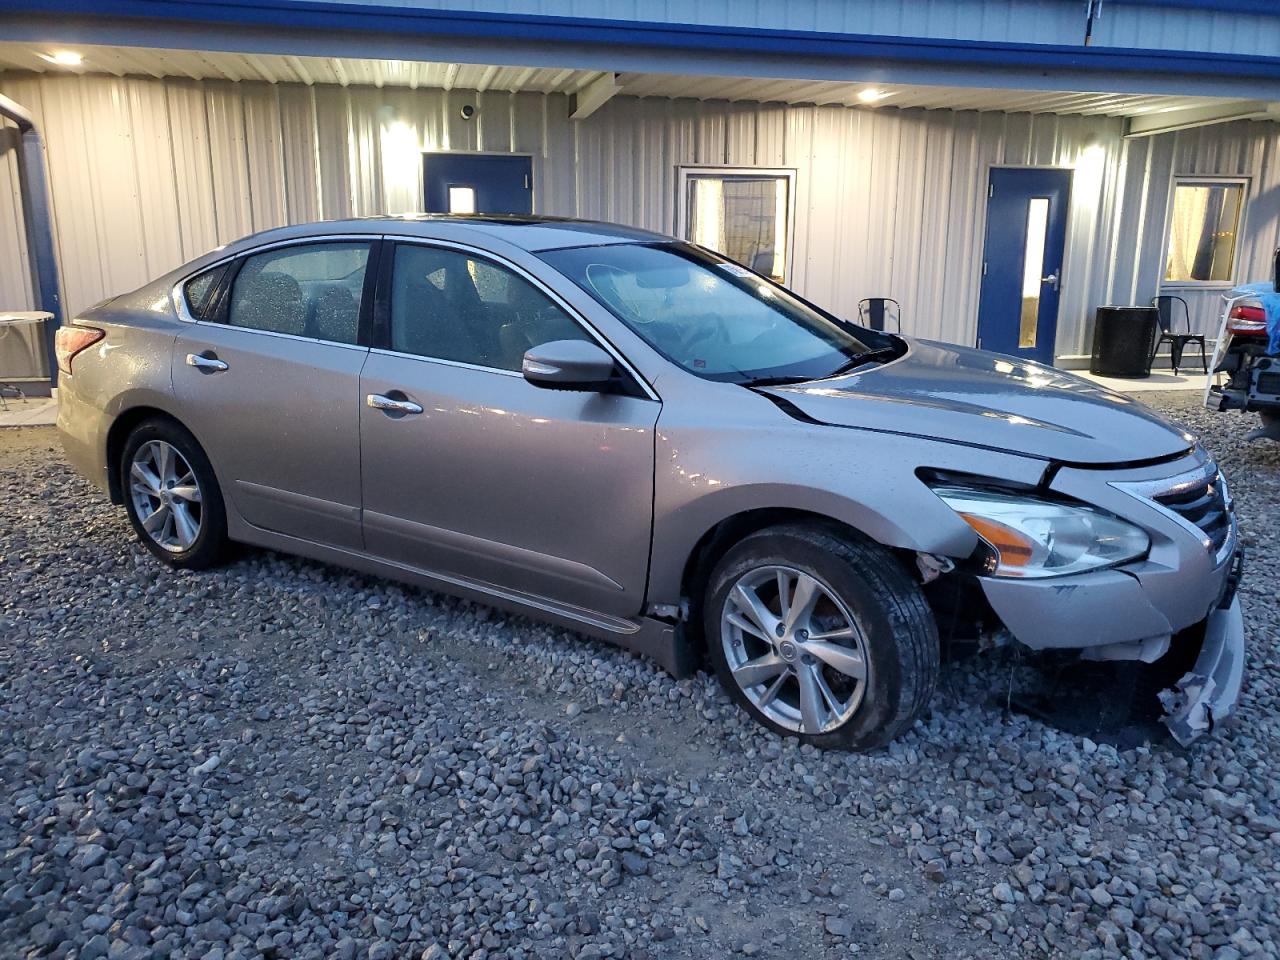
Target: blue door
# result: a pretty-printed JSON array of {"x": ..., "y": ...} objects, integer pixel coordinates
[
  {"x": 477, "y": 183},
  {"x": 1022, "y": 261}
]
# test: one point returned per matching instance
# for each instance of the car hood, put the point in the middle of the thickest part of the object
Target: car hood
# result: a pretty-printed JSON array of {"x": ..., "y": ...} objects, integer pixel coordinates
[{"x": 962, "y": 395}]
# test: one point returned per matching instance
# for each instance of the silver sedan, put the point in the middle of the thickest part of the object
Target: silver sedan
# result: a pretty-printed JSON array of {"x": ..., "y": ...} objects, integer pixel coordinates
[{"x": 638, "y": 439}]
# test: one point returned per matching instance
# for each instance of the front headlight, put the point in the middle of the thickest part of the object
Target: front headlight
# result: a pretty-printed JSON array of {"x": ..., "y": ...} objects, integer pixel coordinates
[{"x": 1043, "y": 538}]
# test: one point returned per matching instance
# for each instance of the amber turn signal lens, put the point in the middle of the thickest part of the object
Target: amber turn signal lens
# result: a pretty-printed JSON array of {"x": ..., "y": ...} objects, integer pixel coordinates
[{"x": 1014, "y": 548}]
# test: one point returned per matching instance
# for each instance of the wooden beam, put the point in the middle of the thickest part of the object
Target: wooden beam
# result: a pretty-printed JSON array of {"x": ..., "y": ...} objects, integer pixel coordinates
[{"x": 594, "y": 96}]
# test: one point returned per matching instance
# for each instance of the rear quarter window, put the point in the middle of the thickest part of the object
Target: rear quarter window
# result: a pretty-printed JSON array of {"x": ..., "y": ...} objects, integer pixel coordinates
[{"x": 199, "y": 290}]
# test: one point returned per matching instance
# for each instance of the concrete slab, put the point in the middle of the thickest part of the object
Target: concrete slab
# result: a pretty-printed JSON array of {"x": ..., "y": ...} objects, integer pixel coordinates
[
  {"x": 1159, "y": 380},
  {"x": 32, "y": 412}
]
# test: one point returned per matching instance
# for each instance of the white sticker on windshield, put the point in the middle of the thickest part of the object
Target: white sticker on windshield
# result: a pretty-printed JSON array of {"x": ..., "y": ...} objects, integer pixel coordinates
[{"x": 736, "y": 269}]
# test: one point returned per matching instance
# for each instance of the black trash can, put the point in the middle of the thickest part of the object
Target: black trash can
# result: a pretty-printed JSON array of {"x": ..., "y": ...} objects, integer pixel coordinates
[{"x": 1122, "y": 341}]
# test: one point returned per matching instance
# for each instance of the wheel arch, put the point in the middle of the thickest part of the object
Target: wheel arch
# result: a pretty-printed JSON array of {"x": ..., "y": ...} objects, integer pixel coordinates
[
  {"x": 899, "y": 648},
  {"x": 896, "y": 512},
  {"x": 118, "y": 433},
  {"x": 716, "y": 541}
]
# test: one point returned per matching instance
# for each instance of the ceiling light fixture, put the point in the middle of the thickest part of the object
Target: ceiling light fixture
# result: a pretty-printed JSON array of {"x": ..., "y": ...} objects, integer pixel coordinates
[
  {"x": 871, "y": 94},
  {"x": 63, "y": 58}
]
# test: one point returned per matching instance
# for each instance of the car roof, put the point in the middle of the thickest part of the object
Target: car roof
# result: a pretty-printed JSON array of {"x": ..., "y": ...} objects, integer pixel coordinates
[{"x": 527, "y": 232}]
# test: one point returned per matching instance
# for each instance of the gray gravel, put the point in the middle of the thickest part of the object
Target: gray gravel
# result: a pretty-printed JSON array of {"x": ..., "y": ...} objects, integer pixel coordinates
[{"x": 281, "y": 759}]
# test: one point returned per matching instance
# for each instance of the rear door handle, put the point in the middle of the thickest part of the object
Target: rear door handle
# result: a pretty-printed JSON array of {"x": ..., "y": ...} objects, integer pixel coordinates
[
  {"x": 392, "y": 405},
  {"x": 207, "y": 364}
]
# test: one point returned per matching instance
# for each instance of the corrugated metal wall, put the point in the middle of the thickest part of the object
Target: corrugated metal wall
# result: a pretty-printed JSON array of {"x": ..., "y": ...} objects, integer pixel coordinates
[
  {"x": 1036, "y": 21},
  {"x": 147, "y": 174},
  {"x": 890, "y": 203},
  {"x": 1182, "y": 27},
  {"x": 1175, "y": 27},
  {"x": 1149, "y": 168}
]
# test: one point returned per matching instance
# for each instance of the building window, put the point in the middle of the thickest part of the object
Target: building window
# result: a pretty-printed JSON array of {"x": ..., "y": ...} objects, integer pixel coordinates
[
  {"x": 742, "y": 213},
  {"x": 462, "y": 199},
  {"x": 1204, "y": 224}
]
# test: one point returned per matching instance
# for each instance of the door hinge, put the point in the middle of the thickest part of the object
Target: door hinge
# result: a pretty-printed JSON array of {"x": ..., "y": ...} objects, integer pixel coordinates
[
  {"x": 526, "y": 181},
  {"x": 984, "y": 268},
  {"x": 991, "y": 190}
]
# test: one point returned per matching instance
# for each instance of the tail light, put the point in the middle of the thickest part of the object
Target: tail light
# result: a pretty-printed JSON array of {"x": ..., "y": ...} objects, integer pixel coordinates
[
  {"x": 71, "y": 340},
  {"x": 1244, "y": 321}
]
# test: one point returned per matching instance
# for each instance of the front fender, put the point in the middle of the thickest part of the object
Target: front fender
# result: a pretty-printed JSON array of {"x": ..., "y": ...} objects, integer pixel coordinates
[{"x": 707, "y": 474}]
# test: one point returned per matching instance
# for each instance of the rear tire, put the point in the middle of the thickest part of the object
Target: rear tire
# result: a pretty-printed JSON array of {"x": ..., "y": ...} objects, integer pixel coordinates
[
  {"x": 851, "y": 671},
  {"x": 172, "y": 496}
]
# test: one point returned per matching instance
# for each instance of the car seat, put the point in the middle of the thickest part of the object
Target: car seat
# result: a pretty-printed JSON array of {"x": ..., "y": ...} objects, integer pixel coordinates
[
  {"x": 269, "y": 301},
  {"x": 335, "y": 316},
  {"x": 425, "y": 324},
  {"x": 474, "y": 318}
]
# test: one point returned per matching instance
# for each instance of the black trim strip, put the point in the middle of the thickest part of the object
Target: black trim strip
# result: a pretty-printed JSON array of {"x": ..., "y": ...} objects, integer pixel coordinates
[
  {"x": 372, "y": 268},
  {"x": 381, "y": 331}
]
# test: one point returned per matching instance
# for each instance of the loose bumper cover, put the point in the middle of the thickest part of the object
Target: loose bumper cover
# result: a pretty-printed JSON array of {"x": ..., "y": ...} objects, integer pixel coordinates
[
  {"x": 1066, "y": 615},
  {"x": 1208, "y": 693},
  {"x": 1184, "y": 588}
]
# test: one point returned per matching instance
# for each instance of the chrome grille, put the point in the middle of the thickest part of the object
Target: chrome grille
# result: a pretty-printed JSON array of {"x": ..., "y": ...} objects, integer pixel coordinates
[{"x": 1205, "y": 505}]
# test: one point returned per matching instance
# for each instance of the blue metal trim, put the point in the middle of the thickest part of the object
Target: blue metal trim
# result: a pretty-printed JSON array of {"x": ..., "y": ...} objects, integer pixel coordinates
[
  {"x": 378, "y": 18},
  {"x": 1259, "y": 7}
]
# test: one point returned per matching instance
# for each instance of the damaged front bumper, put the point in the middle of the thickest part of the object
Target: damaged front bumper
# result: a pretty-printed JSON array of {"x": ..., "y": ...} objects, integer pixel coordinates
[
  {"x": 1103, "y": 618},
  {"x": 1175, "y": 606},
  {"x": 1207, "y": 695}
]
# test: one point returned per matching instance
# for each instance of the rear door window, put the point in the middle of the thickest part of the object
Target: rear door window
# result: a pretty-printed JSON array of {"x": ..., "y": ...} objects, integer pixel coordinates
[{"x": 311, "y": 290}]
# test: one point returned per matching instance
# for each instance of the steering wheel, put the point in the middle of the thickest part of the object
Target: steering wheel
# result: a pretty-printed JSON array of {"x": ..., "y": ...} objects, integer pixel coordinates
[
  {"x": 703, "y": 327},
  {"x": 601, "y": 277}
]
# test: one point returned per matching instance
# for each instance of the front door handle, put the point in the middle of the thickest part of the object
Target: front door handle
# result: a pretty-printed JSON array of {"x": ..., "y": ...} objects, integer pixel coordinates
[
  {"x": 1051, "y": 278},
  {"x": 206, "y": 364},
  {"x": 392, "y": 405}
]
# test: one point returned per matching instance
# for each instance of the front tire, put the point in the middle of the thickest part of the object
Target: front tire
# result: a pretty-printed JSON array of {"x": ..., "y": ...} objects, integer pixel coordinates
[
  {"x": 821, "y": 636},
  {"x": 172, "y": 496}
]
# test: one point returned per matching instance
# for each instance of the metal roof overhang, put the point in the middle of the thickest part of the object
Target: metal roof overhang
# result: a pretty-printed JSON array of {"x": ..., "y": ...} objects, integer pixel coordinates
[
  {"x": 383, "y": 32},
  {"x": 591, "y": 88}
]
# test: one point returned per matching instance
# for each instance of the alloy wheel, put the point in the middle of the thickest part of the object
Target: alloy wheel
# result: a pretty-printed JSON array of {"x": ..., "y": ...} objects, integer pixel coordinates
[
  {"x": 166, "y": 495},
  {"x": 794, "y": 649}
]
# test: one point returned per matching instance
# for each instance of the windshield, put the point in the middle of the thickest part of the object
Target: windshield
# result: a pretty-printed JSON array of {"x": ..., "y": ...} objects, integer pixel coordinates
[{"x": 714, "y": 317}]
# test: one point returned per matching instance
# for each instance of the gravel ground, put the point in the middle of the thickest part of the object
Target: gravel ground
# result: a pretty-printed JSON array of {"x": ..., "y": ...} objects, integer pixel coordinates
[{"x": 281, "y": 759}]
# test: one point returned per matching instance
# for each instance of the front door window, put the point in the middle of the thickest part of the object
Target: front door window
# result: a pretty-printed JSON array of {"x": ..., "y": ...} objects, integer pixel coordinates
[{"x": 449, "y": 305}]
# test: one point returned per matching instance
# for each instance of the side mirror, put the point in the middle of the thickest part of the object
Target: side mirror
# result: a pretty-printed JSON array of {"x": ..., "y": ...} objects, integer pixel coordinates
[{"x": 568, "y": 365}]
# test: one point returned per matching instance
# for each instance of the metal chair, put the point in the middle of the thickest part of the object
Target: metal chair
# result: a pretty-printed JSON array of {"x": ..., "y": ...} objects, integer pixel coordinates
[
  {"x": 1164, "y": 305},
  {"x": 875, "y": 311},
  {"x": 10, "y": 391}
]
